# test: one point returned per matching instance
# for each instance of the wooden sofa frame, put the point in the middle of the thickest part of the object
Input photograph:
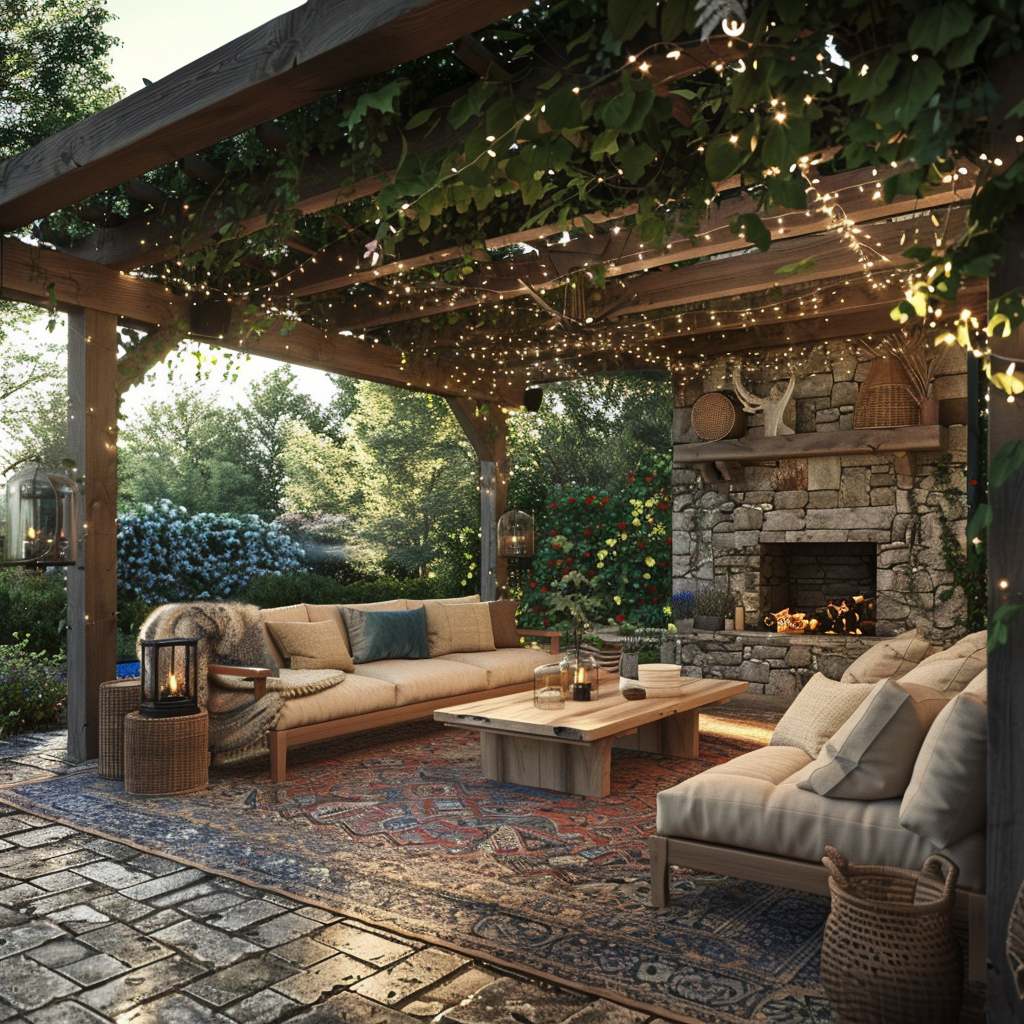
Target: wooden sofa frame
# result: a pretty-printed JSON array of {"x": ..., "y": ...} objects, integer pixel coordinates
[
  {"x": 666, "y": 852},
  {"x": 281, "y": 739}
]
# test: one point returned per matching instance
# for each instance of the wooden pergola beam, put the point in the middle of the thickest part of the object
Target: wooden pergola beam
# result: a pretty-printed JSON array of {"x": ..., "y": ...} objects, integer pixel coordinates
[
  {"x": 290, "y": 61},
  {"x": 29, "y": 272}
]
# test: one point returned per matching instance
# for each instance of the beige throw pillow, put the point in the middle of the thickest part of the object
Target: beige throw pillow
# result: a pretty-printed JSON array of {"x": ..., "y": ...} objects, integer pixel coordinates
[
  {"x": 872, "y": 755},
  {"x": 310, "y": 645},
  {"x": 818, "y": 710},
  {"x": 889, "y": 659},
  {"x": 458, "y": 628},
  {"x": 952, "y": 669},
  {"x": 945, "y": 799}
]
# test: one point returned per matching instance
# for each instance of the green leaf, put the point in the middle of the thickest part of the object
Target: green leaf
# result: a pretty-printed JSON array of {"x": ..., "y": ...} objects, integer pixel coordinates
[
  {"x": 563, "y": 110},
  {"x": 382, "y": 99},
  {"x": 791, "y": 11},
  {"x": 903, "y": 184},
  {"x": 872, "y": 83},
  {"x": 789, "y": 191},
  {"x": 627, "y": 17},
  {"x": 723, "y": 158},
  {"x": 934, "y": 27},
  {"x": 913, "y": 86},
  {"x": 617, "y": 110},
  {"x": 981, "y": 520},
  {"x": 752, "y": 228},
  {"x": 673, "y": 22},
  {"x": 961, "y": 51},
  {"x": 420, "y": 118},
  {"x": 803, "y": 266},
  {"x": 605, "y": 143},
  {"x": 633, "y": 160},
  {"x": 643, "y": 100},
  {"x": 999, "y": 625},
  {"x": 1007, "y": 461}
]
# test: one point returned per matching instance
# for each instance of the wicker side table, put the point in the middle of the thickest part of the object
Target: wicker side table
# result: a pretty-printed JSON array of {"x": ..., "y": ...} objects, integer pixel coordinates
[
  {"x": 117, "y": 698},
  {"x": 163, "y": 756}
]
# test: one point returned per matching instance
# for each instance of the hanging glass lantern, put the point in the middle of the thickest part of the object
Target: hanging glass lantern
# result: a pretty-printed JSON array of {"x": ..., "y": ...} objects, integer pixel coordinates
[
  {"x": 169, "y": 672},
  {"x": 579, "y": 675},
  {"x": 42, "y": 518},
  {"x": 515, "y": 535}
]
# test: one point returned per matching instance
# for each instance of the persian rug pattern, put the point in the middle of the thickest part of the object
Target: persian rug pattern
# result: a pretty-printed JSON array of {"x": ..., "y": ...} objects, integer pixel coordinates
[{"x": 398, "y": 828}]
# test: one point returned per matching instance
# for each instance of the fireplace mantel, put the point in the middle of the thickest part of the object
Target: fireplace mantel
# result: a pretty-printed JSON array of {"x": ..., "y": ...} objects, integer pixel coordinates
[{"x": 723, "y": 460}]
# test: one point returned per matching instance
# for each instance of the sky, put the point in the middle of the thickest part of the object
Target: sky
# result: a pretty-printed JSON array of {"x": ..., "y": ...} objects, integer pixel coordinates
[{"x": 157, "y": 38}]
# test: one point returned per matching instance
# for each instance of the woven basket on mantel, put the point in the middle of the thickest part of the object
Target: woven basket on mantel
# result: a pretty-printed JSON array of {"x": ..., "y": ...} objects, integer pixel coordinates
[{"x": 885, "y": 398}]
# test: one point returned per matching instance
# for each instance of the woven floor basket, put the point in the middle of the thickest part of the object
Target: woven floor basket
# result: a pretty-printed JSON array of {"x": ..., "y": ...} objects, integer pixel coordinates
[
  {"x": 166, "y": 755},
  {"x": 716, "y": 416},
  {"x": 888, "y": 955},
  {"x": 885, "y": 398},
  {"x": 117, "y": 698}
]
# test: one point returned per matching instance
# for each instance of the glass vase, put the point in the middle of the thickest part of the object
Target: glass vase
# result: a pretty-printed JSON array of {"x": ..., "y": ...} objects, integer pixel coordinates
[{"x": 579, "y": 676}]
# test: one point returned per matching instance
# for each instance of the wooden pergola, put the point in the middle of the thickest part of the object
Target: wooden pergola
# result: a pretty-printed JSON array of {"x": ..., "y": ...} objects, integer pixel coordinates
[{"x": 653, "y": 311}]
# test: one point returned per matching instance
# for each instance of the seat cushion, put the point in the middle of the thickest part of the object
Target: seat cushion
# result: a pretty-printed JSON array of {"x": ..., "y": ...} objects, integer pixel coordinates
[
  {"x": 872, "y": 755},
  {"x": 461, "y": 626},
  {"x": 754, "y": 802},
  {"x": 817, "y": 712},
  {"x": 356, "y": 695},
  {"x": 889, "y": 659},
  {"x": 428, "y": 679},
  {"x": 504, "y": 667}
]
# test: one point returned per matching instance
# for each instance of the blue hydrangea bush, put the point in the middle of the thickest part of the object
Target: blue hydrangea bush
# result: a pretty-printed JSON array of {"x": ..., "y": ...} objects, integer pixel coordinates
[
  {"x": 33, "y": 689},
  {"x": 166, "y": 554}
]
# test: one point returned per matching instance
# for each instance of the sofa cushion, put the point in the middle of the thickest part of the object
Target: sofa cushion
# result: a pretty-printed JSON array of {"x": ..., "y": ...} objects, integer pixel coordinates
[
  {"x": 356, "y": 695},
  {"x": 872, "y": 755},
  {"x": 286, "y": 613},
  {"x": 506, "y": 666},
  {"x": 399, "y": 604},
  {"x": 380, "y": 635},
  {"x": 889, "y": 659},
  {"x": 817, "y": 712},
  {"x": 311, "y": 644},
  {"x": 431, "y": 679},
  {"x": 952, "y": 669},
  {"x": 752, "y": 803},
  {"x": 503, "y": 624},
  {"x": 946, "y": 797},
  {"x": 457, "y": 627}
]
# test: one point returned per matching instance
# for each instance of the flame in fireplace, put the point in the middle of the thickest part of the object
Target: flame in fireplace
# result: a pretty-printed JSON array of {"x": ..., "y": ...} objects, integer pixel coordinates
[{"x": 847, "y": 615}]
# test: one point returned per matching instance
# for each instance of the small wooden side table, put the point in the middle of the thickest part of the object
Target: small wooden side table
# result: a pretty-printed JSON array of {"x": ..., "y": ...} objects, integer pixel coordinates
[
  {"x": 165, "y": 756},
  {"x": 117, "y": 698}
]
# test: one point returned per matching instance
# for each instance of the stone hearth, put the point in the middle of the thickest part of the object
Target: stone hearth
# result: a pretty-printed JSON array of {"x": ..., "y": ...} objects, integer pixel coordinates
[{"x": 902, "y": 511}]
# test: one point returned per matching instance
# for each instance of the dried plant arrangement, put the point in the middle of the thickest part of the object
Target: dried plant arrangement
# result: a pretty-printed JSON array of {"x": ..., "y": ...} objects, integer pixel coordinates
[{"x": 913, "y": 347}]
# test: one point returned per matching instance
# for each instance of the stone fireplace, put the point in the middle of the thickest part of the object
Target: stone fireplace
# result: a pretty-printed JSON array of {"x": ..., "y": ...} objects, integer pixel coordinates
[{"x": 796, "y": 532}]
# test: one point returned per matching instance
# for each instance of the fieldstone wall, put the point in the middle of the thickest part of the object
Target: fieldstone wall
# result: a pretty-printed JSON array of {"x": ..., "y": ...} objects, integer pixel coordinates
[{"x": 718, "y": 529}]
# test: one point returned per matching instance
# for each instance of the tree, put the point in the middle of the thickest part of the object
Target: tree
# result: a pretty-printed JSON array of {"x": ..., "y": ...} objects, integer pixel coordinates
[{"x": 190, "y": 451}]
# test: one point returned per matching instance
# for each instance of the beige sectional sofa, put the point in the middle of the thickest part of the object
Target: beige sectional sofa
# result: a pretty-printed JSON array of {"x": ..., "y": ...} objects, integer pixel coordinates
[
  {"x": 887, "y": 765},
  {"x": 391, "y": 690}
]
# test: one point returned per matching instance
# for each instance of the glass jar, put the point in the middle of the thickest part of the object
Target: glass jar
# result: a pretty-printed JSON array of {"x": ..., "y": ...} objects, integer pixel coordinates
[
  {"x": 547, "y": 687},
  {"x": 579, "y": 675}
]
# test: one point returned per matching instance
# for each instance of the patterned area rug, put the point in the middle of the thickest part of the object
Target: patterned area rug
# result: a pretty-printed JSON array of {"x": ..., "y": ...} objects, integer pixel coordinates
[{"x": 396, "y": 827}]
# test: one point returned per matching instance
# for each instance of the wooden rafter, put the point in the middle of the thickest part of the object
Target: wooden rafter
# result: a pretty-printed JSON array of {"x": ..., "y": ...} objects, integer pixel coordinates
[{"x": 288, "y": 62}]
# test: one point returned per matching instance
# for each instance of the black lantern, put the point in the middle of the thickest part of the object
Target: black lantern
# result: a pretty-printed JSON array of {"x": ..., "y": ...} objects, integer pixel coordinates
[
  {"x": 170, "y": 671},
  {"x": 42, "y": 518},
  {"x": 515, "y": 535}
]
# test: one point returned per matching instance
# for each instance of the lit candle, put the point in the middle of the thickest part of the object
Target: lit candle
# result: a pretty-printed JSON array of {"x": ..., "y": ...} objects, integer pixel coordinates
[{"x": 172, "y": 685}]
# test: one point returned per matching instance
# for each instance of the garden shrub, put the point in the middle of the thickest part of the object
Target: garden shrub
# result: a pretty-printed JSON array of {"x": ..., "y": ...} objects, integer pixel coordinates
[
  {"x": 34, "y": 608},
  {"x": 308, "y": 588},
  {"x": 165, "y": 554},
  {"x": 621, "y": 542},
  {"x": 33, "y": 690}
]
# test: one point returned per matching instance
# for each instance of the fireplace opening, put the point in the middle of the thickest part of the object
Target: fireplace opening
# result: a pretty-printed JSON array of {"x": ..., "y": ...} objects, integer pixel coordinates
[{"x": 814, "y": 587}]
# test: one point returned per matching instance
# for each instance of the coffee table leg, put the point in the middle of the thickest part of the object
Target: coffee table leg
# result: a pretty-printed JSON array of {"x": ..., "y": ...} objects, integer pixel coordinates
[
  {"x": 580, "y": 768},
  {"x": 678, "y": 735}
]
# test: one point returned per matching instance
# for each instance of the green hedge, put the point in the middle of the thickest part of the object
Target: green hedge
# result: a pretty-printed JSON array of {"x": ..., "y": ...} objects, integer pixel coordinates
[
  {"x": 308, "y": 588},
  {"x": 34, "y": 608},
  {"x": 33, "y": 690}
]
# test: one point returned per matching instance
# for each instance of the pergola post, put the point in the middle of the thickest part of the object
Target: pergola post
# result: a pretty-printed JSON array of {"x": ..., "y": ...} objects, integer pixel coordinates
[
  {"x": 487, "y": 430},
  {"x": 92, "y": 583}
]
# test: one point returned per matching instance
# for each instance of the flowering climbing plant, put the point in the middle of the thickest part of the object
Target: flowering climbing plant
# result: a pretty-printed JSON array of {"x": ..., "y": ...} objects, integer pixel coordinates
[{"x": 620, "y": 542}]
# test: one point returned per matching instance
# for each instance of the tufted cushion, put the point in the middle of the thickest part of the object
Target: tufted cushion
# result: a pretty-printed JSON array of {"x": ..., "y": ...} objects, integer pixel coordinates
[
  {"x": 817, "y": 712},
  {"x": 378, "y": 636},
  {"x": 311, "y": 645},
  {"x": 452, "y": 628},
  {"x": 889, "y": 659},
  {"x": 872, "y": 755}
]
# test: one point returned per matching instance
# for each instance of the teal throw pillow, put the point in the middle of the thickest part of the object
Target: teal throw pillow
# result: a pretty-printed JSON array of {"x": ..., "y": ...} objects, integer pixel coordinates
[{"x": 375, "y": 636}]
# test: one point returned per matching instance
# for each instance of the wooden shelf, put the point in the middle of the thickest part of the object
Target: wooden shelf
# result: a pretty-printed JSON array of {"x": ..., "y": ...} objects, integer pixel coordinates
[{"x": 717, "y": 460}]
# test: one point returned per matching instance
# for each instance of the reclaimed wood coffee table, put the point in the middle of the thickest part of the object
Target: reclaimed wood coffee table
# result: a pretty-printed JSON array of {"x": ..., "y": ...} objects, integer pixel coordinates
[{"x": 568, "y": 749}]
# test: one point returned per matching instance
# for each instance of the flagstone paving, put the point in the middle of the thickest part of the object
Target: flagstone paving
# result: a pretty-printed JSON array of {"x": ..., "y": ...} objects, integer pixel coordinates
[{"x": 93, "y": 931}]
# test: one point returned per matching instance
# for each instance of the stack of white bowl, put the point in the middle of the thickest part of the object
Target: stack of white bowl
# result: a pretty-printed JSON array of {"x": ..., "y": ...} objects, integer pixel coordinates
[{"x": 661, "y": 680}]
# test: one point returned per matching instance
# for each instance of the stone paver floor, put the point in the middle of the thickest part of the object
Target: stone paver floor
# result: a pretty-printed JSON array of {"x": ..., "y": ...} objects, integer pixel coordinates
[{"x": 94, "y": 931}]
